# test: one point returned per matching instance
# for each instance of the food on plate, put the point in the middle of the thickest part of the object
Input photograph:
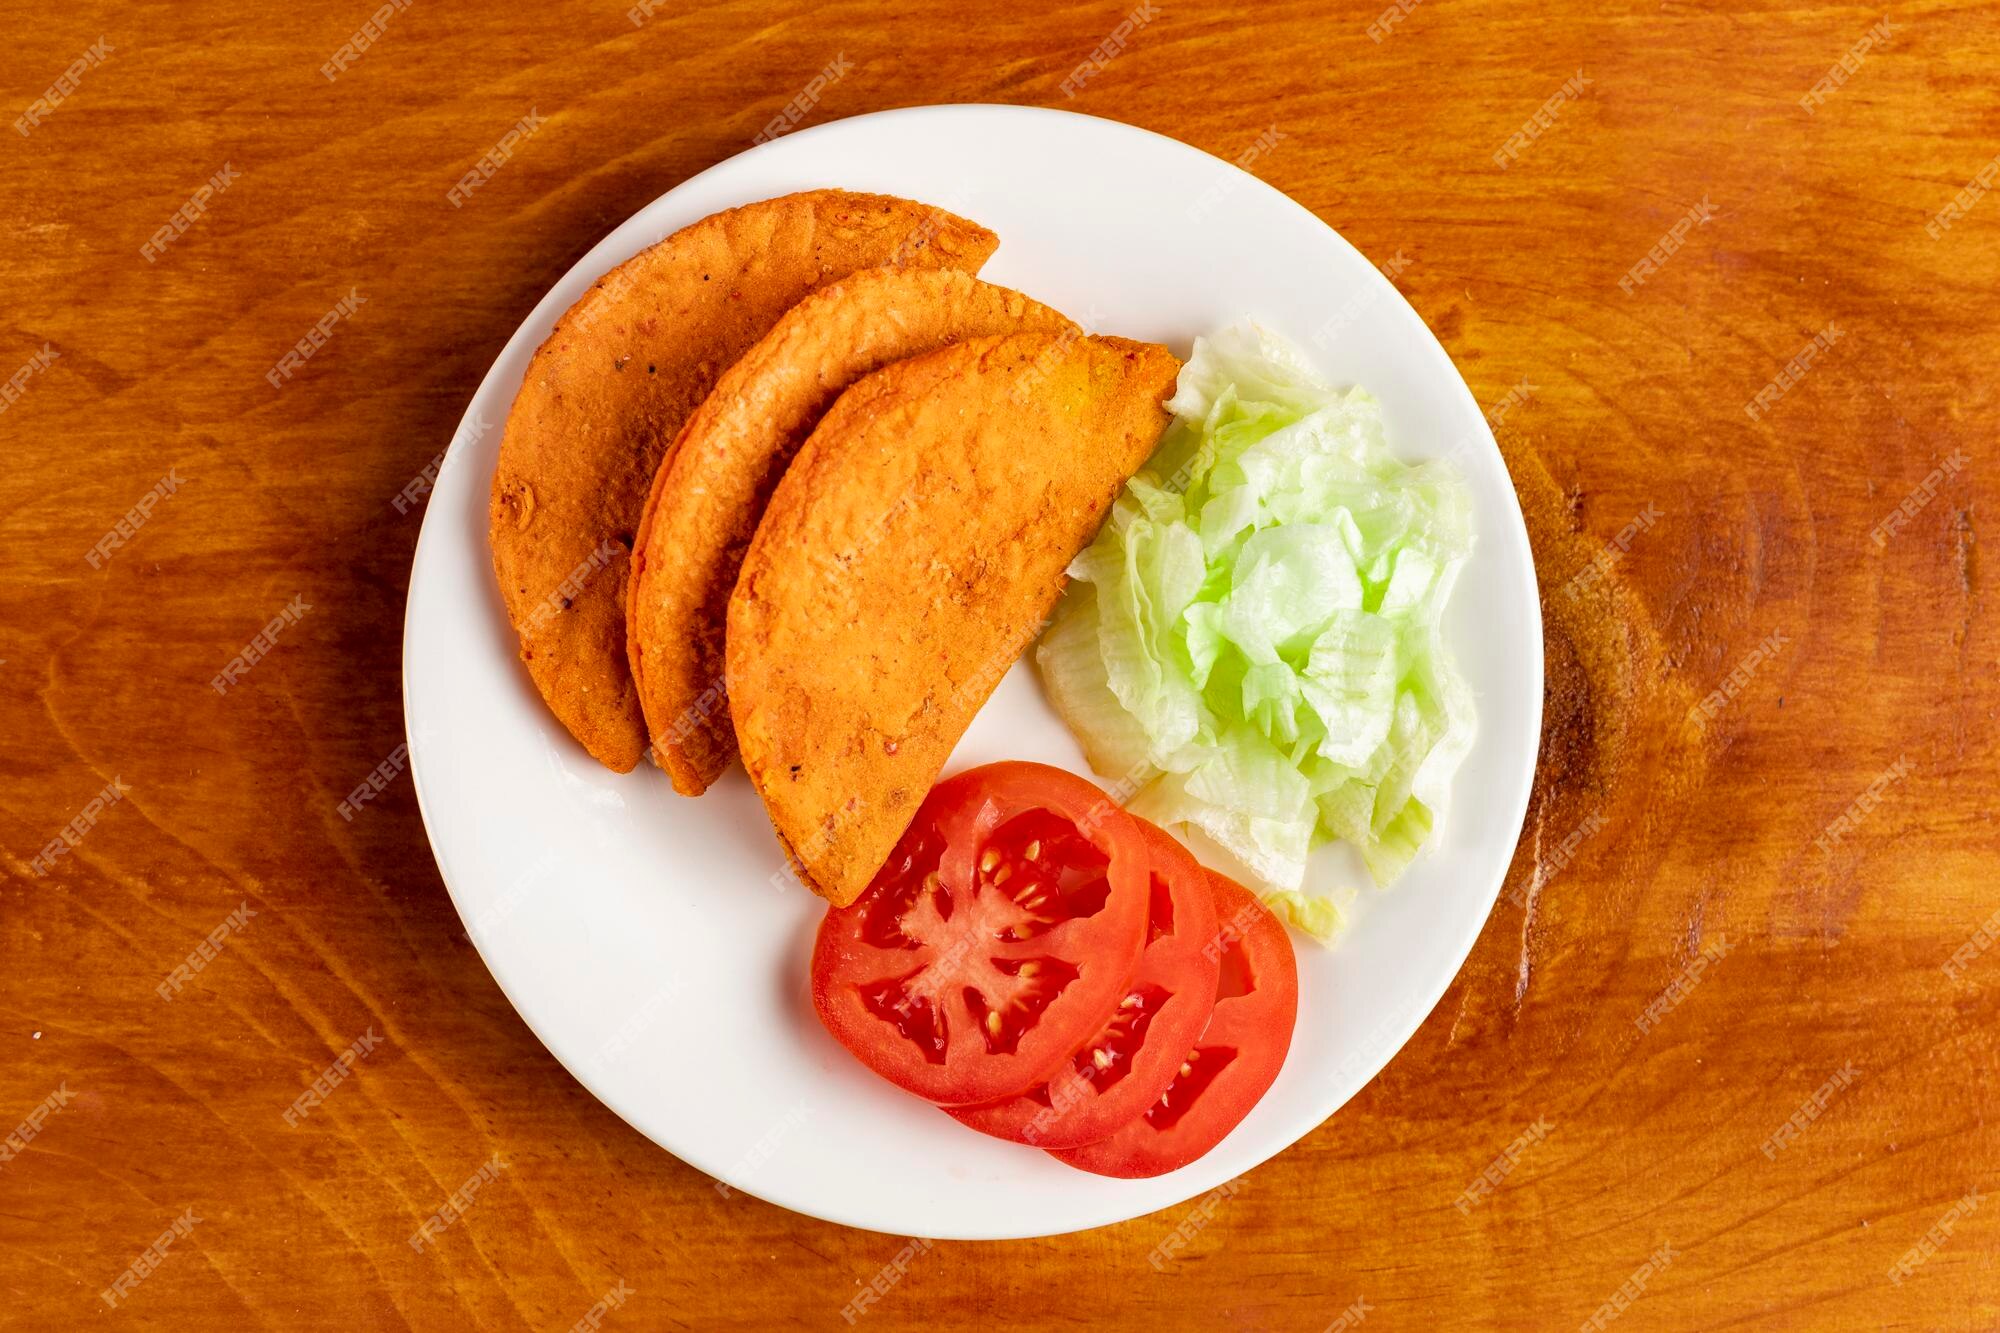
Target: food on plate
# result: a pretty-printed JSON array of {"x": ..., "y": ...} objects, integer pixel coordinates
[
  {"x": 1258, "y": 625},
  {"x": 613, "y": 383},
  {"x": 1056, "y": 972},
  {"x": 708, "y": 496},
  {"x": 1004, "y": 926},
  {"x": 909, "y": 554},
  {"x": 1128, "y": 1059},
  {"x": 1234, "y": 1062}
]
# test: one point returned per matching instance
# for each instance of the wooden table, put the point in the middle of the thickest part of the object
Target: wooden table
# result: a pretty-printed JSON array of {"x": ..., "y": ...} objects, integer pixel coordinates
[{"x": 1763, "y": 829}]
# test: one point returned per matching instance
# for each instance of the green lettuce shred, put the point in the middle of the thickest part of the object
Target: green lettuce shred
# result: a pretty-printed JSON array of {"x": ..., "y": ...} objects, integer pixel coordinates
[
  {"x": 1322, "y": 916},
  {"x": 1255, "y": 634}
]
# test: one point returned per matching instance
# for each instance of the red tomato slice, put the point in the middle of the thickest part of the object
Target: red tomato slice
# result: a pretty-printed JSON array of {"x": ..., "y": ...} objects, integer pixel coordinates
[
  {"x": 1128, "y": 1059},
  {"x": 1234, "y": 1062},
  {"x": 1006, "y": 923}
]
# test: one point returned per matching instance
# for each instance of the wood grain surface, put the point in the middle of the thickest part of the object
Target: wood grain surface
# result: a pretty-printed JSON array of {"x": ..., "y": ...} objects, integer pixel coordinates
[{"x": 1753, "y": 880}]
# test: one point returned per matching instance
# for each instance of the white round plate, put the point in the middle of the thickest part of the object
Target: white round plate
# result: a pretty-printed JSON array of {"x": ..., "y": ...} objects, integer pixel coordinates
[{"x": 641, "y": 935}]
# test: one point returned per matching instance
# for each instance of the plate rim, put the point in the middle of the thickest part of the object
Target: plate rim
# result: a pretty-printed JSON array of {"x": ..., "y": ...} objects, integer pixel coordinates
[{"x": 593, "y": 264}]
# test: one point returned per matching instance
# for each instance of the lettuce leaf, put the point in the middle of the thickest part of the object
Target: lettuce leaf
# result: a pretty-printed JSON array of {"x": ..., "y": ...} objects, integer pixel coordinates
[
  {"x": 1253, "y": 642},
  {"x": 1322, "y": 916}
]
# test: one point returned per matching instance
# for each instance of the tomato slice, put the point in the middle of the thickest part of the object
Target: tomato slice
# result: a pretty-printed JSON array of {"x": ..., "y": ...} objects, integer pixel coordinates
[
  {"x": 1235, "y": 1060},
  {"x": 1125, "y": 1063},
  {"x": 1006, "y": 923}
]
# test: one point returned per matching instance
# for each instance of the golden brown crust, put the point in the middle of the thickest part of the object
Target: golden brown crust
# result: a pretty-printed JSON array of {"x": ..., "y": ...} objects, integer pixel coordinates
[
  {"x": 708, "y": 496},
  {"x": 908, "y": 556},
  {"x": 611, "y": 386}
]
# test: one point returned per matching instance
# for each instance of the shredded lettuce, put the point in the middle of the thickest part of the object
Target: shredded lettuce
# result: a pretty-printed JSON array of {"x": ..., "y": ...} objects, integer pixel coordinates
[
  {"x": 1322, "y": 916},
  {"x": 1254, "y": 636}
]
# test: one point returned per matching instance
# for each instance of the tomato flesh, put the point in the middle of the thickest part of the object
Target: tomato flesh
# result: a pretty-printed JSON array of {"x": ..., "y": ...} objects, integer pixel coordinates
[
  {"x": 1231, "y": 1065},
  {"x": 1007, "y": 921},
  {"x": 1130, "y": 1057}
]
